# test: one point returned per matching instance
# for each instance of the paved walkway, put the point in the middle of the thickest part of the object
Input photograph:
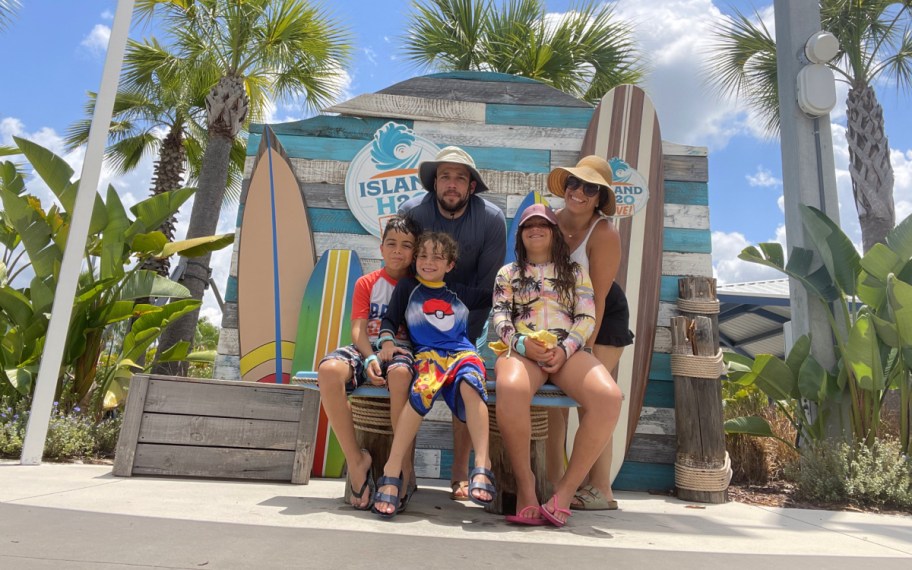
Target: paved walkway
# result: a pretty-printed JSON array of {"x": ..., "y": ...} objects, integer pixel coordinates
[{"x": 80, "y": 516}]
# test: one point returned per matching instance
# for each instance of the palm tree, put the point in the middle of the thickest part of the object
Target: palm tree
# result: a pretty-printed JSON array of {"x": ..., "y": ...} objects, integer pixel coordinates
[
  {"x": 875, "y": 43},
  {"x": 7, "y": 11},
  {"x": 265, "y": 49},
  {"x": 160, "y": 106},
  {"x": 584, "y": 53}
]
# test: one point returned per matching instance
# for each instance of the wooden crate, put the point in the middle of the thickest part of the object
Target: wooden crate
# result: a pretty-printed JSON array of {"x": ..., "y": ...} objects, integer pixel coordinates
[{"x": 218, "y": 429}]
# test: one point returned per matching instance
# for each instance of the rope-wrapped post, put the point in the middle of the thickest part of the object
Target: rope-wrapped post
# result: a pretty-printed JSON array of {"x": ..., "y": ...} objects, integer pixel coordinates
[
  {"x": 374, "y": 432},
  {"x": 505, "y": 501},
  {"x": 702, "y": 468}
]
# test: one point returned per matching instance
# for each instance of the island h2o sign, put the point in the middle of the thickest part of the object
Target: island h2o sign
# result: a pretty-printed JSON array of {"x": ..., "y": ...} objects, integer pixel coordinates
[
  {"x": 384, "y": 174},
  {"x": 630, "y": 191}
]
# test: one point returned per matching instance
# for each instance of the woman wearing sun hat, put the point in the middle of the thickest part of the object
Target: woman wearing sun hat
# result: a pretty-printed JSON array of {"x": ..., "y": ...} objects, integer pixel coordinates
[{"x": 594, "y": 243}]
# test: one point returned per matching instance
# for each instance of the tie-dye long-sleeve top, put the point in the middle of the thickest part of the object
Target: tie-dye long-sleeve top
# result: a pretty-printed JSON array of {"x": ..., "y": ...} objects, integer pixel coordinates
[{"x": 529, "y": 303}]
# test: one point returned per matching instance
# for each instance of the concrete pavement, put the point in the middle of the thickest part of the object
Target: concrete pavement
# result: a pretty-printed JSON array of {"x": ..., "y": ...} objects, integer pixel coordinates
[{"x": 80, "y": 516}]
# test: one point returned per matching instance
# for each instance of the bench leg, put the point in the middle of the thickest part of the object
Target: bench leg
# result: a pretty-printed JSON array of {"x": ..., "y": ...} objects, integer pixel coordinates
[
  {"x": 374, "y": 433},
  {"x": 505, "y": 502}
]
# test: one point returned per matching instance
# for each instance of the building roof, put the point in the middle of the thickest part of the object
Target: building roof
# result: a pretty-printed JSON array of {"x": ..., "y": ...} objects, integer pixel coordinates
[{"x": 751, "y": 316}]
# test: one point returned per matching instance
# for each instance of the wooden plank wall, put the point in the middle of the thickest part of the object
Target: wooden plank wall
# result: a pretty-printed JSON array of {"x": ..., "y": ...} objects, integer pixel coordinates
[{"x": 517, "y": 130}]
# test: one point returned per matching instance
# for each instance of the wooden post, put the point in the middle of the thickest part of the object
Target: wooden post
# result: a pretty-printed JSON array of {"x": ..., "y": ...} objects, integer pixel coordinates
[
  {"x": 505, "y": 501},
  {"x": 701, "y": 462}
]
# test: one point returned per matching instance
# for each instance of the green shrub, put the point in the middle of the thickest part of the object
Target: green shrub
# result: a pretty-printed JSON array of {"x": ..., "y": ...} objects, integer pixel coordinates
[
  {"x": 71, "y": 435},
  {"x": 879, "y": 475}
]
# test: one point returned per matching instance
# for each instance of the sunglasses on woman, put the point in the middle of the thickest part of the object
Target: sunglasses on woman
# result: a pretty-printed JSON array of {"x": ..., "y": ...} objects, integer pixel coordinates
[{"x": 589, "y": 189}]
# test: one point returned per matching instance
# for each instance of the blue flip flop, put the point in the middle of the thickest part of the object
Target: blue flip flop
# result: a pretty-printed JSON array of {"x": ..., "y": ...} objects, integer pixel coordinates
[
  {"x": 385, "y": 498},
  {"x": 477, "y": 486}
]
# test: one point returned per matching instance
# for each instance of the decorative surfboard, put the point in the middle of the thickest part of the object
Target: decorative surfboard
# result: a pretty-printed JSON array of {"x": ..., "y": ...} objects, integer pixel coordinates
[
  {"x": 533, "y": 197},
  {"x": 625, "y": 131},
  {"x": 324, "y": 325},
  {"x": 275, "y": 259}
]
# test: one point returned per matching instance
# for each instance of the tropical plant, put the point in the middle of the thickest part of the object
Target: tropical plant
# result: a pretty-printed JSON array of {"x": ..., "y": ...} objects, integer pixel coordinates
[
  {"x": 264, "y": 49},
  {"x": 586, "y": 52},
  {"x": 7, "y": 11},
  {"x": 875, "y": 43},
  {"x": 160, "y": 107},
  {"x": 107, "y": 290},
  {"x": 868, "y": 303}
]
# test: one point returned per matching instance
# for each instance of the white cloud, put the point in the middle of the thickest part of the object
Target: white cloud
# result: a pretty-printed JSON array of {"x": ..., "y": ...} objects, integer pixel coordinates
[
  {"x": 763, "y": 178},
  {"x": 676, "y": 37},
  {"x": 97, "y": 40},
  {"x": 370, "y": 54},
  {"x": 727, "y": 268},
  {"x": 107, "y": 15}
]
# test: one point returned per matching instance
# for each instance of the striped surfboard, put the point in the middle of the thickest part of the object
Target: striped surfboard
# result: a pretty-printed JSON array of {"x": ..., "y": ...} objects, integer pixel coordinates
[
  {"x": 323, "y": 326},
  {"x": 625, "y": 125}
]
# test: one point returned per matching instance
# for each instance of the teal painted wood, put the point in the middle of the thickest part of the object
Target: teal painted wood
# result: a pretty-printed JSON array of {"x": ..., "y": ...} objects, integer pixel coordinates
[
  {"x": 660, "y": 367},
  {"x": 636, "y": 476},
  {"x": 669, "y": 288},
  {"x": 325, "y": 220},
  {"x": 240, "y": 215},
  {"x": 482, "y": 76},
  {"x": 659, "y": 395},
  {"x": 313, "y": 148},
  {"x": 509, "y": 159},
  {"x": 538, "y": 116},
  {"x": 336, "y": 127},
  {"x": 231, "y": 290},
  {"x": 687, "y": 240},
  {"x": 687, "y": 193}
]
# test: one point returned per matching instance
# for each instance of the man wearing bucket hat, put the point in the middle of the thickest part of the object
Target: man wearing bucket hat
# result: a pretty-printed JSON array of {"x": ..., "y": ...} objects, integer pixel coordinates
[
  {"x": 452, "y": 205},
  {"x": 596, "y": 245}
]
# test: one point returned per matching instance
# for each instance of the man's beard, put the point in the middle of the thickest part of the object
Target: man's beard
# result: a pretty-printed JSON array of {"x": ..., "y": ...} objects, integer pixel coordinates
[{"x": 453, "y": 209}]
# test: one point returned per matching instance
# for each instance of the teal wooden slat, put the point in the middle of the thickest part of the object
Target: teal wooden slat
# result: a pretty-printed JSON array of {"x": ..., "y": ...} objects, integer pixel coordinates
[
  {"x": 313, "y": 148},
  {"x": 240, "y": 215},
  {"x": 509, "y": 159},
  {"x": 669, "y": 288},
  {"x": 336, "y": 127},
  {"x": 482, "y": 76},
  {"x": 687, "y": 240},
  {"x": 687, "y": 193},
  {"x": 636, "y": 476},
  {"x": 660, "y": 367},
  {"x": 659, "y": 395},
  {"x": 538, "y": 116},
  {"x": 325, "y": 220},
  {"x": 231, "y": 290}
]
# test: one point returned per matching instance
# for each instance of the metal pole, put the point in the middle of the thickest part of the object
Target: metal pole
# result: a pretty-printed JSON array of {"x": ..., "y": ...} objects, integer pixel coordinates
[
  {"x": 808, "y": 170},
  {"x": 49, "y": 370}
]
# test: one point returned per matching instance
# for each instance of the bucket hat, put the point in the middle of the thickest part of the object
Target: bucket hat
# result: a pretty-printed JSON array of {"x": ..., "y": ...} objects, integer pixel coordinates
[
  {"x": 427, "y": 170},
  {"x": 592, "y": 169}
]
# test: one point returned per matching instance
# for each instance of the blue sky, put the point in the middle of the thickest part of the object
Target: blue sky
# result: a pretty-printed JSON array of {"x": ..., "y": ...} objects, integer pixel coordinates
[{"x": 55, "y": 53}]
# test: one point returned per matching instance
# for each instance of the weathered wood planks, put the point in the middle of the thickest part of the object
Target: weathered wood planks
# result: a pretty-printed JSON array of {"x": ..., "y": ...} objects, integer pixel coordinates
[{"x": 212, "y": 428}]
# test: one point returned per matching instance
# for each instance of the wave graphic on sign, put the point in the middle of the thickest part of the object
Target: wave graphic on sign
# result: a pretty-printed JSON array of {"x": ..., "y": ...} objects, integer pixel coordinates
[
  {"x": 393, "y": 148},
  {"x": 620, "y": 170}
]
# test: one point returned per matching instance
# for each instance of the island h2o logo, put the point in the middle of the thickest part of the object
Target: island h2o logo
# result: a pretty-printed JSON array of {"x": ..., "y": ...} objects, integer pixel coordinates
[
  {"x": 630, "y": 191},
  {"x": 384, "y": 174}
]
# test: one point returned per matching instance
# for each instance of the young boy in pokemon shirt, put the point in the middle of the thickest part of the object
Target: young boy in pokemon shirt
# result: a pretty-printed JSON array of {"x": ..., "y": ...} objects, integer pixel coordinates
[{"x": 446, "y": 363}]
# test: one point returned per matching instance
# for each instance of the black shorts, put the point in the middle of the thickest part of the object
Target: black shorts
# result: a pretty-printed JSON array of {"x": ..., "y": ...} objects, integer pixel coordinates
[{"x": 615, "y": 329}]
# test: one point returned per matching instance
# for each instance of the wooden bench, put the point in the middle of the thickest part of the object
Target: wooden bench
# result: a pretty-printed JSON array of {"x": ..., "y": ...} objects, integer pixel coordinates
[
  {"x": 219, "y": 429},
  {"x": 379, "y": 441}
]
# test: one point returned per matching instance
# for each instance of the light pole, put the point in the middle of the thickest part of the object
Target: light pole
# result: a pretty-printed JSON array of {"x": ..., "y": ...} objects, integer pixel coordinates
[{"x": 806, "y": 97}]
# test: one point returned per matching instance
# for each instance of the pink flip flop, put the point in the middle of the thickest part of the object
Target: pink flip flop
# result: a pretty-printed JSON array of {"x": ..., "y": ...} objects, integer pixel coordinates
[
  {"x": 550, "y": 516},
  {"x": 518, "y": 518}
]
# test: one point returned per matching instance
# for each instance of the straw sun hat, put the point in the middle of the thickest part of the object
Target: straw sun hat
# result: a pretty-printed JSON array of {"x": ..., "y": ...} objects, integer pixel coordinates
[
  {"x": 592, "y": 169},
  {"x": 427, "y": 170}
]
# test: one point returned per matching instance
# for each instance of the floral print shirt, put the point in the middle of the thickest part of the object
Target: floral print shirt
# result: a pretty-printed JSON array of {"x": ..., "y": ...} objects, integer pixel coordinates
[{"x": 530, "y": 302}]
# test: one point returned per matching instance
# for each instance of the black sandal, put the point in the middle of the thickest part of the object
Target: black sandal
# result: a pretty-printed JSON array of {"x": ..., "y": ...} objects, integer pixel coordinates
[
  {"x": 475, "y": 486},
  {"x": 386, "y": 498},
  {"x": 368, "y": 484}
]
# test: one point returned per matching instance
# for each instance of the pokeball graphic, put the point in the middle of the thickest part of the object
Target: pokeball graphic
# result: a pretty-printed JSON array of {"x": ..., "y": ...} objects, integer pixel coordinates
[{"x": 439, "y": 313}]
